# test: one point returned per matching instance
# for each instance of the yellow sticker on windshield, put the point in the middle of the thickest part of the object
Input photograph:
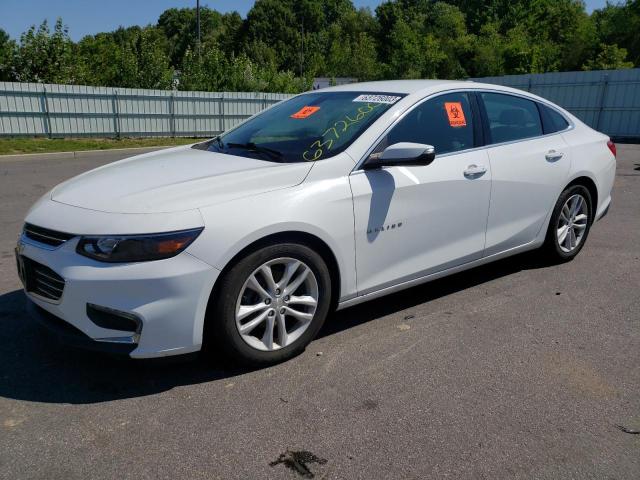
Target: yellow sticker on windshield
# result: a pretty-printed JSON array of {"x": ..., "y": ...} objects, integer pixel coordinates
[{"x": 305, "y": 112}]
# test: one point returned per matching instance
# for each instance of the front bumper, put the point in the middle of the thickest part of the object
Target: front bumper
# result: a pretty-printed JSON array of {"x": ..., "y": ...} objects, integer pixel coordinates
[
  {"x": 70, "y": 335},
  {"x": 168, "y": 296}
]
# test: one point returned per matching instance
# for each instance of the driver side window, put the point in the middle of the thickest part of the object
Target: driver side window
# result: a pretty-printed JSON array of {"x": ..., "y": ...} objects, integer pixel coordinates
[{"x": 445, "y": 122}]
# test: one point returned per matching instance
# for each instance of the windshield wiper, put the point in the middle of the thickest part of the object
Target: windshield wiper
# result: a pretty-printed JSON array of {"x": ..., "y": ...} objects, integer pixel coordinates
[
  {"x": 252, "y": 147},
  {"x": 206, "y": 145}
]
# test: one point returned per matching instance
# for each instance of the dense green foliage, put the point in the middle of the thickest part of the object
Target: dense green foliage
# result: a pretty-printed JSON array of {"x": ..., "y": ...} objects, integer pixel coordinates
[{"x": 283, "y": 44}]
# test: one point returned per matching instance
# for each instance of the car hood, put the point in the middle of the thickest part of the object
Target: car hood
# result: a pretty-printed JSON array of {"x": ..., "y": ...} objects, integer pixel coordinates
[{"x": 175, "y": 179}]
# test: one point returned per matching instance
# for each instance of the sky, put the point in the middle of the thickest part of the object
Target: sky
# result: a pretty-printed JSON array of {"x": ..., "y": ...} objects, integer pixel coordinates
[{"x": 86, "y": 17}]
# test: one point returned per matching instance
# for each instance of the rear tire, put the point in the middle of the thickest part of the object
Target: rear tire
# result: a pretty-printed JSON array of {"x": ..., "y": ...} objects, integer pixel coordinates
[
  {"x": 569, "y": 225},
  {"x": 259, "y": 322}
]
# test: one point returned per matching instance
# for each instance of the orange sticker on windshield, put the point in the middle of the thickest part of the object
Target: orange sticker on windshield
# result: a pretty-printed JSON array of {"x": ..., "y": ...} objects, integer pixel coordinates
[
  {"x": 305, "y": 112},
  {"x": 455, "y": 114}
]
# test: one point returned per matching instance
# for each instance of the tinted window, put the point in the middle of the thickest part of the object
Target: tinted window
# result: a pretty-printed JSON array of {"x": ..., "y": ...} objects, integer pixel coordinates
[
  {"x": 445, "y": 122},
  {"x": 511, "y": 117},
  {"x": 305, "y": 128},
  {"x": 552, "y": 120}
]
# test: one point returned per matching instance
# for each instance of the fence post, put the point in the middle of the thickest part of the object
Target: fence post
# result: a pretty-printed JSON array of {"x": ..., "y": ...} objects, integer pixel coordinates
[
  {"x": 116, "y": 114},
  {"x": 172, "y": 115},
  {"x": 530, "y": 84},
  {"x": 603, "y": 94},
  {"x": 45, "y": 110},
  {"x": 221, "y": 112}
]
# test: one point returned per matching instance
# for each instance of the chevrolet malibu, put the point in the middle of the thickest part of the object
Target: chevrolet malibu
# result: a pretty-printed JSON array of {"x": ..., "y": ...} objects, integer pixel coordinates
[{"x": 243, "y": 244}]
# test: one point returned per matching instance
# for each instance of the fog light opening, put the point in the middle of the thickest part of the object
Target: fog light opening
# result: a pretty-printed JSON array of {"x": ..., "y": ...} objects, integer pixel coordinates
[{"x": 112, "y": 319}]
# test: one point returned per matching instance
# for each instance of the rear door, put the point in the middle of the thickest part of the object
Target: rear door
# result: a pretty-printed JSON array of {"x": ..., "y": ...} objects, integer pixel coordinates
[
  {"x": 413, "y": 221},
  {"x": 529, "y": 168}
]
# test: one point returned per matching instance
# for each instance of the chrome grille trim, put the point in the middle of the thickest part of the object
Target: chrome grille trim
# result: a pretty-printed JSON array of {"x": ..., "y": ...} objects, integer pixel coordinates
[
  {"x": 45, "y": 235},
  {"x": 49, "y": 286},
  {"x": 41, "y": 281},
  {"x": 48, "y": 277}
]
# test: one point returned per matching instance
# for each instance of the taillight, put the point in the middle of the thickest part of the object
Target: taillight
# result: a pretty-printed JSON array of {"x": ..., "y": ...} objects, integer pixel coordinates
[{"x": 612, "y": 147}]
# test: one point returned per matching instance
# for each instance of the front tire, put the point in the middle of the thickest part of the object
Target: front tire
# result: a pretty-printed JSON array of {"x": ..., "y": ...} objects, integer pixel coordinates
[
  {"x": 270, "y": 305},
  {"x": 569, "y": 225}
]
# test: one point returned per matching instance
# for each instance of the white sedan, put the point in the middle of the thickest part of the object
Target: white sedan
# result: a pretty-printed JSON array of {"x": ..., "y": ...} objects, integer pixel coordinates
[{"x": 245, "y": 243}]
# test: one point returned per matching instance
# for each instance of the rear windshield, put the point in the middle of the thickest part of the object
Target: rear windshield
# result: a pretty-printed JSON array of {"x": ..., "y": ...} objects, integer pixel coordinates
[{"x": 306, "y": 128}]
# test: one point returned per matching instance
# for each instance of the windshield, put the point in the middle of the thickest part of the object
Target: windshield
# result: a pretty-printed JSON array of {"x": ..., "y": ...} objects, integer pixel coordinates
[{"x": 306, "y": 128}]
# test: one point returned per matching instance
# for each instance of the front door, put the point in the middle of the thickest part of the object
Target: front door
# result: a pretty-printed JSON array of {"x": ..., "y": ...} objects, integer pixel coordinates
[{"x": 413, "y": 221}]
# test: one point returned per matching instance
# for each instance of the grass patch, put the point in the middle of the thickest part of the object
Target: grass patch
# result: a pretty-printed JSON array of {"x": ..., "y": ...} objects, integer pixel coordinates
[{"x": 10, "y": 146}]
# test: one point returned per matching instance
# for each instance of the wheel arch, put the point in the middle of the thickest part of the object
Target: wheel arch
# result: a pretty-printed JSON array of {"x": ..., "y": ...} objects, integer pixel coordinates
[
  {"x": 590, "y": 185},
  {"x": 304, "y": 238},
  {"x": 579, "y": 179}
]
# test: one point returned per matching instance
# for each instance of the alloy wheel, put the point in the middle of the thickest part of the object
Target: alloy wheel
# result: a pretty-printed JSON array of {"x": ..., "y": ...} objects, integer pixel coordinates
[
  {"x": 572, "y": 223},
  {"x": 276, "y": 304}
]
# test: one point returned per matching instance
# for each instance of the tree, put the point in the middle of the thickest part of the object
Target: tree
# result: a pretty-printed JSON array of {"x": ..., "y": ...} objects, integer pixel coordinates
[
  {"x": 610, "y": 57},
  {"x": 7, "y": 53},
  {"x": 388, "y": 14},
  {"x": 153, "y": 69},
  {"x": 561, "y": 28},
  {"x": 488, "y": 57},
  {"x": 414, "y": 54},
  {"x": 213, "y": 71},
  {"x": 45, "y": 57},
  {"x": 282, "y": 44},
  {"x": 179, "y": 27},
  {"x": 107, "y": 59},
  {"x": 505, "y": 14},
  {"x": 447, "y": 23},
  {"x": 295, "y": 32},
  {"x": 560, "y": 32},
  {"x": 205, "y": 71},
  {"x": 619, "y": 25},
  {"x": 131, "y": 57},
  {"x": 278, "y": 25},
  {"x": 424, "y": 39},
  {"x": 351, "y": 47}
]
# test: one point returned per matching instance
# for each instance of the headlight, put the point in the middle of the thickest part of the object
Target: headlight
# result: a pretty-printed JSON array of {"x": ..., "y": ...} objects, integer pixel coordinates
[{"x": 136, "y": 248}]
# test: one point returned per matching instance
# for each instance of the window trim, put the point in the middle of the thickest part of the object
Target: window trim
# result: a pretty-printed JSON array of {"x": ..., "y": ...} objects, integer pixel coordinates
[
  {"x": 479, "y": 135},
  {"x": 484, "y": 144},
  {"x": 474, "y": 116},
  {"x": 485, "y": 118},
  {"x": 547, "y": 121},
  {"x": 488, "y": 123}
]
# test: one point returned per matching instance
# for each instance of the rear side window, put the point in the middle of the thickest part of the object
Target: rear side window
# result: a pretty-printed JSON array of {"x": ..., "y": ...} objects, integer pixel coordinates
[
  {"x": 445, "y": 122},
  {"x": 511, "y": 118},
  {"x": 552, "y": 121}
]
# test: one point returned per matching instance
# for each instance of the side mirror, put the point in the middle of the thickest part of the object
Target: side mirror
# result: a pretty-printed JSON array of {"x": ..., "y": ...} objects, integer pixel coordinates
[{"x": 402, "y": 154}]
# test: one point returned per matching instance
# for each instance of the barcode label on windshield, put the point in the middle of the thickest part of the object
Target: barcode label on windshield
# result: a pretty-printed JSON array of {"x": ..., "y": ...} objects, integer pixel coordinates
[{"x": 377, "y": 99}]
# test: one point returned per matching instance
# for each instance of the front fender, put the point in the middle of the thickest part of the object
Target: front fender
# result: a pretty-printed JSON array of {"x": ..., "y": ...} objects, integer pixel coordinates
[{"x": 321, "y": 208}]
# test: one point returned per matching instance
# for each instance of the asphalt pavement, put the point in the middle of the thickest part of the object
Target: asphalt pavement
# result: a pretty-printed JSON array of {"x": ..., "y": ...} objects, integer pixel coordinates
[{"x": 514, "y": 370}]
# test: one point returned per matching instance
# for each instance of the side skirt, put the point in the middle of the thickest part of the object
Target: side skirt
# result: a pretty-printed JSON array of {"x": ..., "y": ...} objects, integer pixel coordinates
[{"x": 434, "y": 276}]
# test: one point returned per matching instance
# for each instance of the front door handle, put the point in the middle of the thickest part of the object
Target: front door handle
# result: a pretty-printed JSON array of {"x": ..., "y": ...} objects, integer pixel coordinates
[
  {"x": 475, "y": 171},
  {"x": 553, "y": 156}
]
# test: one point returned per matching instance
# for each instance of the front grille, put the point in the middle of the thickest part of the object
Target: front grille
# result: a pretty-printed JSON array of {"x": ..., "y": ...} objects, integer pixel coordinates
[
  {"x": 46, "y": 236},
  {"x": 40, "y": 279}
]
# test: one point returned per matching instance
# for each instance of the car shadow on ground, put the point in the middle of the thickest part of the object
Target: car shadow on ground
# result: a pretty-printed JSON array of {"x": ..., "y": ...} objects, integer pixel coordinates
[
  {"x": 411, "y": 297},
  {"x": 35, "y": 367}
]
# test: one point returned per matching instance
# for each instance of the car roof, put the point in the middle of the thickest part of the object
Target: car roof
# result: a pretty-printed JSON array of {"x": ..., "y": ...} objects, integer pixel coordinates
[
  {"x": 427, "y": 87},
  {"x": 397, "y": 86}
]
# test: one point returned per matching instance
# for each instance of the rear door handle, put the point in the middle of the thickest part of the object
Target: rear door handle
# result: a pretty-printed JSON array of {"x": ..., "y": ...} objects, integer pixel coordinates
[
  {"x": 553, "y": 156},
  {"x": 475, "y": 171}
]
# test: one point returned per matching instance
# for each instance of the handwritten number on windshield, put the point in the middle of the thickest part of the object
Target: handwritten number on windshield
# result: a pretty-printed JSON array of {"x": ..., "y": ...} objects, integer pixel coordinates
[{"x": 318, "y": 148}]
